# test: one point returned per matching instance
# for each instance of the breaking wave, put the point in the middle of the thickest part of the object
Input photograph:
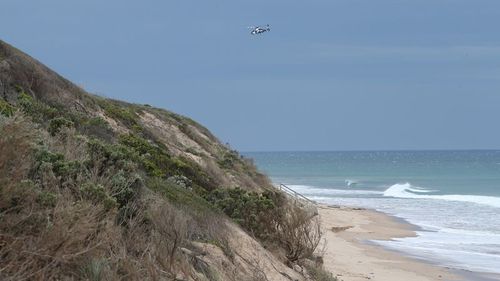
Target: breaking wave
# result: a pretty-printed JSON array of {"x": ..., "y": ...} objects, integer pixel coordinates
[{"x": 406, "y": 190}]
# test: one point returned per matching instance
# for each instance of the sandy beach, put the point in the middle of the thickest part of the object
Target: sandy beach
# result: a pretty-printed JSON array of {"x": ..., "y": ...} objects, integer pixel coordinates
[{"x": 350, "y": 258}]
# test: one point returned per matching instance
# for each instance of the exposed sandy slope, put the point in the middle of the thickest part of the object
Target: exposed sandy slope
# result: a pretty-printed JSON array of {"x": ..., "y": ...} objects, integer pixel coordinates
[
  {"x": 251, "y": 261},
  {"x": 348, "y": 257}
]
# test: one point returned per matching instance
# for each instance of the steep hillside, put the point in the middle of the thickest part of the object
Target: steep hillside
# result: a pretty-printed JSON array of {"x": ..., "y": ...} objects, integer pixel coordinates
[
  {"x": 99, "y": 189},
  {"x": 182, "y": 138}
]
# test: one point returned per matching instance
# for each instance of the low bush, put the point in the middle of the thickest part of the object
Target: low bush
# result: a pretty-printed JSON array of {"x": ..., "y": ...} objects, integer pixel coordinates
[
  {"x": 157, "y": 161},
  {"x": 125, "y": 113},
  {"x": 38, "y": 111},
  {"x": 298, "y": 232},
  {"x": 51, "y": 168},
  {"x": 180, "y": 196},
  {"x": 98, "y": 195},
  {"x": 154, "y": 159},
  {"x": 207, "y": 224},
  {"x": 249, "y": 209},
  {"x": 47, "y": 199},
  {"x": 318, "y": 273},
  {"x": 272, "y": 218},
  {"x": 229, "y": 159},
  {"x": 96, "y": 127},
  {"x": 6, "y": 108},
  {"x": 56, "y": 124}
]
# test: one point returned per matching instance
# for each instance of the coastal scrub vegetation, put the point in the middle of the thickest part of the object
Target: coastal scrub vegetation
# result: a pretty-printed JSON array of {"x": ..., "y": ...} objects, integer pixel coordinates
[
  {"x": 67, "y": 198},
  {"x": 272, "y": 218},
  {"x": 91, "y": 191}
]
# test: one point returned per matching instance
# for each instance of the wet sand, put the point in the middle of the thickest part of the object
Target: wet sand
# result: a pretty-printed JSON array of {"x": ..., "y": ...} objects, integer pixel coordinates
[{"x": 349, "y": 257}]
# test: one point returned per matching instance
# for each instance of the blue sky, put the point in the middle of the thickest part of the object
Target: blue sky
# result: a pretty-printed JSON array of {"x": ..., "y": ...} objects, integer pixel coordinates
[{"x": 331, "y": 75}]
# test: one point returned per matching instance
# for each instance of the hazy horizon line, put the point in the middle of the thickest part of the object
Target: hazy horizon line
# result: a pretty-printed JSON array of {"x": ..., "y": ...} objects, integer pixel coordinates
[{"x": 373, "y": 150}]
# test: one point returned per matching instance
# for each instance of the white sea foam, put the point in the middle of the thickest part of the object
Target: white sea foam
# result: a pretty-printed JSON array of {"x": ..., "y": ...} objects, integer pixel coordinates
[
  {"x": 447, "y": 254},
  {"x": 310, "y": 190},
  {"x": 473, "y": 250},
  {"x": 452, "y": 233},
  {"x": 406, "y": 190}
]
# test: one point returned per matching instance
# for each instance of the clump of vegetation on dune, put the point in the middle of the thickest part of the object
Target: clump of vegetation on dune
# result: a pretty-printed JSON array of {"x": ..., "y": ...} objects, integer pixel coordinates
[
  {"x": 271, "y": 217},
  {"x": 317, "y": 273},
  {"x": 6, "y": 109}
]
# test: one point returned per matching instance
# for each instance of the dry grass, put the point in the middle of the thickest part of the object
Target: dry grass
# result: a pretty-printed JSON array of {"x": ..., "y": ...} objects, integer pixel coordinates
[
  {"x": 57, "y": 223},
  {"x": 299, "y": 232},
  {"x": 16, "y": 144},
  {"x": 40, "y": 243},
  {"x": 54, "y": 229},
  {"x": 318, "y": 273}
]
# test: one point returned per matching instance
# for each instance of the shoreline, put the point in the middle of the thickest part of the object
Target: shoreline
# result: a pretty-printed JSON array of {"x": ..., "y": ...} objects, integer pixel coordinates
[{"x": 350, "y": 255}]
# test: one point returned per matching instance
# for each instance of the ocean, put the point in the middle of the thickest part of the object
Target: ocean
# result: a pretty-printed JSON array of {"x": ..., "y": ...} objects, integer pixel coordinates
[{"x": 452, "y": 196}]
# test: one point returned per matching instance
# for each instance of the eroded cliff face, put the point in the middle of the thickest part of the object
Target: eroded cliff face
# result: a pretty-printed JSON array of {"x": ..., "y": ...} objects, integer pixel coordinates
[{"x": 99, "y": 189}]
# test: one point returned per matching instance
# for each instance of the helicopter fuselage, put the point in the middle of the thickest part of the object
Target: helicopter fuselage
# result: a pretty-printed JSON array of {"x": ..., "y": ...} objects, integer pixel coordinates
[{"x": 259, "y": 30}]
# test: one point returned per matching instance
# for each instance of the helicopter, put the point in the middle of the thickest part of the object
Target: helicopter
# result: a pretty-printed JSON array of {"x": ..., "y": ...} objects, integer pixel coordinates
[{"x": 258, "y": 29}]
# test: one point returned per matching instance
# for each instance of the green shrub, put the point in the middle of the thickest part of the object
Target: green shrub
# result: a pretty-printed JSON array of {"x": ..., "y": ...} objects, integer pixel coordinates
[
  {"x": 251, "y": 210},
  {"x": 38, "y": 111},
  {"x": 108, "y": 175},
  {"x": 6, "y": 108},
  {"x": 25, "y": 100},
  {"x": 195, "y": 173},
  {"x": 125, "y": 188},
  {"x": 270, "y": 217},
  {"x": 139, "y": 144},
  {"x": 56, "y": 124},
  {"x": 44, "y": 155},
  {"x": 97, "y": 194},
  {"x": 115, "y": 163},
  {"x": 63, "y": 169},
  {"x": 179, "y": 195},
  {"x": 229, "y": 159},
  {"x": 109, "y": 155},
  {"x": 153, "y": 158},
  {"x": 122, "y": 112},
  {"x": 97, "y": 121},
  {"x": 47, "y": 199},
  {"x": 157, "y": 162},
  {"x": 96, "y": 127}
]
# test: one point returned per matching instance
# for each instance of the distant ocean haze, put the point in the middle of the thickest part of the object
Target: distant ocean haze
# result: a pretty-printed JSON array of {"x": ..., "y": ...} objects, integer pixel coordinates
[{"x": 453, "y": 196}]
